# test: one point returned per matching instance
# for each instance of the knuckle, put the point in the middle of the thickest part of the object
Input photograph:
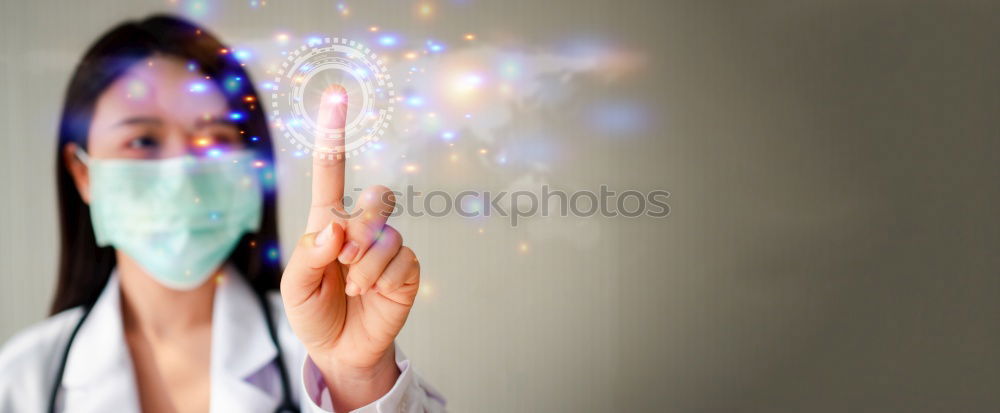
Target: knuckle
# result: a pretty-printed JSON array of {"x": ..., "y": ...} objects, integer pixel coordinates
[
  {"x": 381, "y": 199},
  {"x": 360, "y": 277},
  {"x": 388, "y": 284},
  {"x": 376, "y": 193},
  {"x": 414, "y": 277},
  {"x": 389, "y": 236},
  {"x": 365, "y": 219},
  {"x": 306, "y": 240},
  {"x": 364, "y": 232},
  {"x": 379, "y": 189},
  {"x": 413, "y": 264},
  {"x": 407, "y": 254}
]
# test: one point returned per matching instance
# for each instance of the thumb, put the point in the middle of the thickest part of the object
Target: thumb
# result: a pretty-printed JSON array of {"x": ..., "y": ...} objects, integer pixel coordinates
[{"x": 313, "y": 253}]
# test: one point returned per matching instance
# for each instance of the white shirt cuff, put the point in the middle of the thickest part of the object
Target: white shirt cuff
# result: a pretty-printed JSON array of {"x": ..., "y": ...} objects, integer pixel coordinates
[{"x": 408, "y": 394}]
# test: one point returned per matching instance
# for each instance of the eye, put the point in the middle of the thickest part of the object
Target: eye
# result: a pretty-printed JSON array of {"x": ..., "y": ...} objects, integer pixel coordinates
[
  {"x": 226, "y": 138},
  {"x": 144, "y": 142},
  {"x": 223, "y": 135}
]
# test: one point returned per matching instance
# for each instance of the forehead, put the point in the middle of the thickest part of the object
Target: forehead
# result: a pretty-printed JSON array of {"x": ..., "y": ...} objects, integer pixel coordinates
[{"x": 160, "y": 87}]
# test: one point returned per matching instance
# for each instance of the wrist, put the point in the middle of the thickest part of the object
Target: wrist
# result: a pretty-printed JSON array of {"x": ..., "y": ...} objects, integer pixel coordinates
[{"x": 352, "y": 387}]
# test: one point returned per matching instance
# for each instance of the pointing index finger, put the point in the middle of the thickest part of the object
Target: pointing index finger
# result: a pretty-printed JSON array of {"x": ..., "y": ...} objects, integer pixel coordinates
[{"x": 328, "y": 156}]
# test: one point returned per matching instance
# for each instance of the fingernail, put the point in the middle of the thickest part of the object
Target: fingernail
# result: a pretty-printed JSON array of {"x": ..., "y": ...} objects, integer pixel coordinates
[
  {"x": 352, "y": 289},
  {"x": 348, "y": 253},
  {"x": 324, "y": 236}
]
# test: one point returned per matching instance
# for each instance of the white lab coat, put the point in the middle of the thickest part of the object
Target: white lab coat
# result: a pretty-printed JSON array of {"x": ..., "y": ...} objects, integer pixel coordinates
[{"x": 244, "y": 377}]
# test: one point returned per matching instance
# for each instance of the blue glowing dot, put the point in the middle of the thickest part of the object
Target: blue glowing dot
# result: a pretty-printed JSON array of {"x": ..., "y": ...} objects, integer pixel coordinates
[
  {"x": 197, "y": 87},
  {"x": 510, "y": 70},
  {"x": 415, "y": 101},
  {"x": 266, "y": 174},
  {"x": 313, "y": 41},
  {"x": 377, "y": 146},
  {"x": 272, "y": 254},
  {"x": 254, "y": 138},
  {"x": 448, "y": 135},
  {"x": 233, "y": 83},
  {"x": 434, "y": 46},
  {"x": 215, "y": 152},
  {"x": 196, "y": 8},
  {"x": 241, "y": 55},
  {"x": 387, "y": 40},
  {"x": 192, "y": 67},
  {"x": 214, "y": 215},
  {"x": 236, "y": 116}
]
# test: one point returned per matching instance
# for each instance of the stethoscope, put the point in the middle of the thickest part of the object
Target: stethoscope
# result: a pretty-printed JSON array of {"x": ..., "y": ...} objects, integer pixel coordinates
[{"x": 286, "y": 398}]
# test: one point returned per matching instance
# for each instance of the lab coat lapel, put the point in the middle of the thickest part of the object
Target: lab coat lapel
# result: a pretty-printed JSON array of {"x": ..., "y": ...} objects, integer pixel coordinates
[
  {"x": 241, "y": 347},
  {"x": 99, "y": 375}
]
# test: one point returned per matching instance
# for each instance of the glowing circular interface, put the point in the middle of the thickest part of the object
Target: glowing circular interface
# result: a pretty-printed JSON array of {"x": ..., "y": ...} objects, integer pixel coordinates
[{"x": 313, "y": 67}]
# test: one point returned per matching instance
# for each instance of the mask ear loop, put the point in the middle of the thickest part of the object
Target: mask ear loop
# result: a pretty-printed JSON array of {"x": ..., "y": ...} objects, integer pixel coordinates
[{"x": 82, "y": 155}]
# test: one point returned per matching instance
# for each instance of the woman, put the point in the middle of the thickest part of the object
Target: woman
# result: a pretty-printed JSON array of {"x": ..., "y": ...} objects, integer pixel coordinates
[{"x": 165, "y": 299}]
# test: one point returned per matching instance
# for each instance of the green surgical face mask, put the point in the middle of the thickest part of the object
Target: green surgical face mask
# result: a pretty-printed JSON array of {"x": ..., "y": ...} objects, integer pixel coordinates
[{"x": 179, "y": 218}]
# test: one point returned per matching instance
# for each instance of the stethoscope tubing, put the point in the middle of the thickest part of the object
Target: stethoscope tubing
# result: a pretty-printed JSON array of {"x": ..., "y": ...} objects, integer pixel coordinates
[{"x": 286, "y": 399}]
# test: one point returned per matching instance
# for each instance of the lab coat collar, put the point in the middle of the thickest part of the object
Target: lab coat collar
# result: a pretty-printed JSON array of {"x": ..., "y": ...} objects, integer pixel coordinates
[
  {"x": 99, "y": 357},
  {"x": 241, "y": 347}
]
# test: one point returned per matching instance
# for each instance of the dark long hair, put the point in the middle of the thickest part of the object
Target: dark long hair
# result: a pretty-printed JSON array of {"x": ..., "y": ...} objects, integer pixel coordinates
[{"x": 84, "y": 267}]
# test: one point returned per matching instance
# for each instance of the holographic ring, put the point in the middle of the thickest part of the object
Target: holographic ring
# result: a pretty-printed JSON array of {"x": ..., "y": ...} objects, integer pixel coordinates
[{"x": 288, "y": 108}]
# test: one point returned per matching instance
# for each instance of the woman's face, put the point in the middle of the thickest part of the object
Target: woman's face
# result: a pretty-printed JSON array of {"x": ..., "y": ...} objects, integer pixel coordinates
[
  {"x": 160, "y": 109},
  {"x": 157, "y": 109}
]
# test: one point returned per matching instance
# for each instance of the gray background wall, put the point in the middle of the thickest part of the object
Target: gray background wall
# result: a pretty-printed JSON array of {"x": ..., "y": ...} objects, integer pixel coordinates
[{"x": 833, "y": 236}]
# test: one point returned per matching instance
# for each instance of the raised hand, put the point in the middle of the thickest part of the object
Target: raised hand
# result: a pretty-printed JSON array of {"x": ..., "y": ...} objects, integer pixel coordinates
[{"x": 350, "y": 283}]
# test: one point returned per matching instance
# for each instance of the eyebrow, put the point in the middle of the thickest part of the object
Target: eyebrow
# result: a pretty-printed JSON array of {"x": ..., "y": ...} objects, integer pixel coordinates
[
  {"x": 201, "y": 123},
  {"x": 139, "y": 120}
]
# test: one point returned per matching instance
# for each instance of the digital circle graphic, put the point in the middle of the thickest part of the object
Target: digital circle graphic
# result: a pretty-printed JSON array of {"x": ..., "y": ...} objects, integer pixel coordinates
[{"x": 309, "y": 70}]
